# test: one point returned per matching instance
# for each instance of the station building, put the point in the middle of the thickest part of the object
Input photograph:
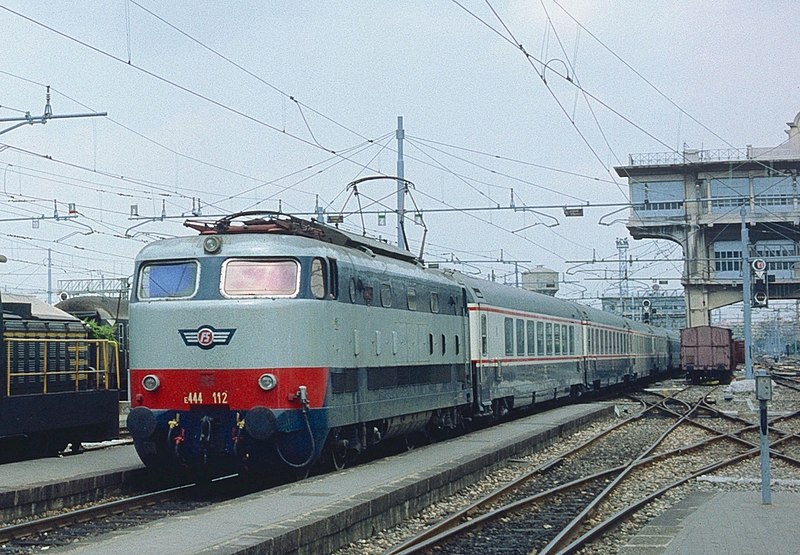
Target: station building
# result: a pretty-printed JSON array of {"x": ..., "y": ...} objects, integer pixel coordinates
[{"x": 695, "y": 198}]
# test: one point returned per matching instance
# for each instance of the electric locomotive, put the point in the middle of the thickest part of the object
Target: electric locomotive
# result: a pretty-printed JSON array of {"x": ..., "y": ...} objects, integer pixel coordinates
[{"x": 270, "y": 343}]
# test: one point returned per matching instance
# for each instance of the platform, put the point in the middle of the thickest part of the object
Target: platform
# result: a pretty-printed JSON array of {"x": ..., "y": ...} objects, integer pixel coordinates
[
  {"x": 320, "y": 514},
  {"x": 723, "y": 523}
]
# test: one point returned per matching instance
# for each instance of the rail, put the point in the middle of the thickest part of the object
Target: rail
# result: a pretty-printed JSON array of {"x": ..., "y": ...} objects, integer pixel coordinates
[{"x": 76, "y": 364}]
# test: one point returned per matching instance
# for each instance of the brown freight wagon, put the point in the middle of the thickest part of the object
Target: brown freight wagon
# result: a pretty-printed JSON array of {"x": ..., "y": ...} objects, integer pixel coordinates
[{"x": 708, "y": 354}]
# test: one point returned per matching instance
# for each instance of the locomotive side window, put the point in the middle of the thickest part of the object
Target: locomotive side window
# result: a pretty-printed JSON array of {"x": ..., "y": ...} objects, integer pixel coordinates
[
  {"x": 411, "y": 296},
  {"x": 168, "y": 280},
  {"x": 318, "y": 278},
  {"x": 435, "y": 303},
  {"x": 255, "y": 278},
  {"x": 333, "y": 286},
  {"x": 386, "y": 295},
  {"x": 352, "y": 289}
]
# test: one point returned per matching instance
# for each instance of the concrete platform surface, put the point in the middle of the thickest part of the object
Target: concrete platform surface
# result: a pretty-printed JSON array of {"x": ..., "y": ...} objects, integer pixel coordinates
[
  {"x": 724, "y": 523},
  {"x": 320, "y": 514}
]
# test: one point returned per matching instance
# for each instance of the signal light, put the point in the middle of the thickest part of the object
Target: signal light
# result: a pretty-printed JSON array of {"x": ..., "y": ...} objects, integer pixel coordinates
[
  {"x": 760, "y": 284},
  {"x": 646, "y": 311}
]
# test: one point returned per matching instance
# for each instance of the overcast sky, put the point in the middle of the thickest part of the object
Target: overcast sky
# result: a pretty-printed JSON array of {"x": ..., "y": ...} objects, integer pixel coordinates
[{"x": 273, "y": 105}]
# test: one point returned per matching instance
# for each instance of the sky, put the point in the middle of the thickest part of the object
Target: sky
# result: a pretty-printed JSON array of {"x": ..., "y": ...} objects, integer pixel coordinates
[{"x": 512, "y": 111}]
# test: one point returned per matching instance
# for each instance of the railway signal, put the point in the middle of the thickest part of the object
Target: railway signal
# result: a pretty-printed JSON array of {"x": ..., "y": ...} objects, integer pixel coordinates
[
  {"x": 646, "y": 311},
  {"x": 760, "y": 296}
]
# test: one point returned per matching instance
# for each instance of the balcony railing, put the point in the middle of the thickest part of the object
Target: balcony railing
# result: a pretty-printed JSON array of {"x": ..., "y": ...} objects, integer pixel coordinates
[{"x": 687, "y": 157}]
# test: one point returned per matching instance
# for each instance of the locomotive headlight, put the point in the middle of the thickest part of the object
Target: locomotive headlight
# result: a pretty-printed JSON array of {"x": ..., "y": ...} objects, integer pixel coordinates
[
  {"x": 212, "y": 244},
  {"x": 267, "y": 382},
  {"x": 150, "y": 382}
]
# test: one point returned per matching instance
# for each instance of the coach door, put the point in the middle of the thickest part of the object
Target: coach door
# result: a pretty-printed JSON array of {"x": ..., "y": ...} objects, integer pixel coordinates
[
  {"x": 464, "y": 313},
  {"x": 486, "y": 372}
]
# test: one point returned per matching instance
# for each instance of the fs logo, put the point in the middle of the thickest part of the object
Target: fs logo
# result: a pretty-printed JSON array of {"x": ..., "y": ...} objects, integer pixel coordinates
[{"x": 207, "y": 337}]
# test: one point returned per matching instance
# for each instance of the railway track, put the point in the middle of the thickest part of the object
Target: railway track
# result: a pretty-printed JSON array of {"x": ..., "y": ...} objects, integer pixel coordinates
[
  {"x": 77, "y": 524},
  {"x": 570, "y": 501}
]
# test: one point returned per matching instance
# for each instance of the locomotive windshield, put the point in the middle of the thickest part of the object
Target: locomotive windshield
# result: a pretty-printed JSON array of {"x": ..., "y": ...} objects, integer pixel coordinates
[
  {"x": 262, "y": 278},
  {"x": 168, "y": 280}
]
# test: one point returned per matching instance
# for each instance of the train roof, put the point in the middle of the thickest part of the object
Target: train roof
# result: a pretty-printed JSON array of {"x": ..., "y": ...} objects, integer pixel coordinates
[
  {"x": 109, "y": 309},
  {"x": 24, "y": 306},
  {"x": 269, "y": 222}
]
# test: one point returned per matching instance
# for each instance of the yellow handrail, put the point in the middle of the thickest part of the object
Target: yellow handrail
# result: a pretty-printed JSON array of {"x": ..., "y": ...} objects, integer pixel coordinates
[{"x": 79, "y": 366}]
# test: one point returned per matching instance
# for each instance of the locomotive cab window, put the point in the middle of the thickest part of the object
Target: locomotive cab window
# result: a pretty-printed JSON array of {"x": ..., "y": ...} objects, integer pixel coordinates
[
  {"x": 318, "y": 278},
  {"x": 260, "y": 278},
  {"x": 168, "y": 280}
]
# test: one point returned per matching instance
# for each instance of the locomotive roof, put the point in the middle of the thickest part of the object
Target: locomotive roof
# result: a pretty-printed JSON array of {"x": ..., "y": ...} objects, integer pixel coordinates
[{"x": 264, "y": 221}]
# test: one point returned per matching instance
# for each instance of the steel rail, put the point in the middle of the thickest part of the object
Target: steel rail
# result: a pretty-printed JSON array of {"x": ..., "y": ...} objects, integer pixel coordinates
[
  {"x": 570, "y": 529},
  {"x": 455, "y": 520},
  {"x": 457, "y": 523},
  {"x": 46, "y": 524},
  {"x": 619, "y": 516}
]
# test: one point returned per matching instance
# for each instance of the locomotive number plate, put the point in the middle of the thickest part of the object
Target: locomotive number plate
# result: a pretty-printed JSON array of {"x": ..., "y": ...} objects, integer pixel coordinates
[{"x": 197, "y": 398}]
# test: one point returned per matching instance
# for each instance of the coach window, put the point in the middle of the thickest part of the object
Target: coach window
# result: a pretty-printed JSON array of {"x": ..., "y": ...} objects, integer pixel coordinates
[
  {"x": 435, "y": 303},
  {"x": 430, "y": 343},
  {"x": 458, "y": 344},
  {"x": 531, "y": 336},
  {"x": 411, "y": 296},
  {"x": 520, "y": 337},
  {"x": 386, "y": 295},
  {"x": 444, "y": 345},
  {"x": 572, "y": 350},
  {"x": 508, "y": 325},
  {"x": 168, "y": 280},
  {"x": 548, "y": 334},
  {"x": 318, "y": 278},
  {"x": 368, "y": 295},
  {"x": 484, "y": 336},
  {"x": 260, "y": 278},
  {"x": 540, "y": 338},
  {"x": 556, "y": 339}
]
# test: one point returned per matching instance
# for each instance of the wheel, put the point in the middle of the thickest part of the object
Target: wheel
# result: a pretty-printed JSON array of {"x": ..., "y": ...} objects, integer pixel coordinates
[{"x": 338, "y": 449}]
